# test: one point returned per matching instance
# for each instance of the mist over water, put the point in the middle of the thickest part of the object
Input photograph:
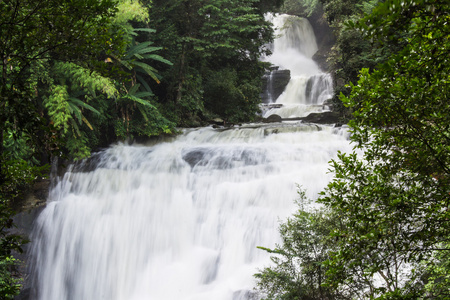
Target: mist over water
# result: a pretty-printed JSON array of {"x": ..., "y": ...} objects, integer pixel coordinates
[{"x": 178, "y": 220}]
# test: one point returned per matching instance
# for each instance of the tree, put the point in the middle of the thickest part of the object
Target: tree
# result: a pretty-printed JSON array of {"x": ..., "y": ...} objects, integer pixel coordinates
[
  {"x": 74, "y": 31},
  {"x": 391, "y": 194},
  {"x": 87, "y": 102},
  {"x": 19, "y": 176},
  {"x": 32, "y": 34},
  {"x": 305, "y": 8},
  {"x": 297, "y": 270},
  {"x": 351, "y": 51},
  {"x": 207, "y": 39},
  {"x": 395, "y": 198}
]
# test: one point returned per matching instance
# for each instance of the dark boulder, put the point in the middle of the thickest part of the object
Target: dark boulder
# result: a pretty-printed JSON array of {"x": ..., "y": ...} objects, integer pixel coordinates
[
  {"x": 272, "y": 119},
  {"x": 328, "y": 117},
  {"x": 274, "y": 84}
]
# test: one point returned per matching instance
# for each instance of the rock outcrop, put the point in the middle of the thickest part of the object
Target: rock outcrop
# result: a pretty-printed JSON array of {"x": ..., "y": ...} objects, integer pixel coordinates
[{"x": 273, "y": 84}]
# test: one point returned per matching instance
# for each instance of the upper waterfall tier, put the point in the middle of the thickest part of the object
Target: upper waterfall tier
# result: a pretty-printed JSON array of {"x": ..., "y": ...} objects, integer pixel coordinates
[
  {"x": 294, "y": 45},
  {"x": 293, "y": 49}
]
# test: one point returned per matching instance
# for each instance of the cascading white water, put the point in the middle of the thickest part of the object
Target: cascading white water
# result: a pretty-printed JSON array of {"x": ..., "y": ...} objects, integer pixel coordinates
[
  {"x": 180, "y": 219},
  {"x": 293, "y": 49}
]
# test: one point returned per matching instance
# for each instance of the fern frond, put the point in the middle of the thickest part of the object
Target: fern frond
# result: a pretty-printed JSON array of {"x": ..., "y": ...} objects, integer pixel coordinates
[{"x": 85, "y": 79}]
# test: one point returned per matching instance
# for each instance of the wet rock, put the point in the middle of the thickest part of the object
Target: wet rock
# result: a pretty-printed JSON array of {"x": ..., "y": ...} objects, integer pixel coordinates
[
  {"x": 274, "y": 84},
  {"x": 194, "y": 156},
  {"x": 328, "y": 117},
  {"x": 222, "y": 159},
  {"x": 272, "y": 119},
  {"x": 245, "y": 295},
  {"x": 217, "y": 121}
]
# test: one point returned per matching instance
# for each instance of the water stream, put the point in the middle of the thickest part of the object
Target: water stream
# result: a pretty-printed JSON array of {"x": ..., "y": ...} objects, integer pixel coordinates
[
  {"x": 181, "y": 219},
  {"x": 293, "y": 49}
]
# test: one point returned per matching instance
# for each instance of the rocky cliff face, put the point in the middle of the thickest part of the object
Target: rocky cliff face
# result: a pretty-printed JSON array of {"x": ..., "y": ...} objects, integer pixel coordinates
[
  {"x": 273, "y": 84},
  {"x": 325, "y": 39}
]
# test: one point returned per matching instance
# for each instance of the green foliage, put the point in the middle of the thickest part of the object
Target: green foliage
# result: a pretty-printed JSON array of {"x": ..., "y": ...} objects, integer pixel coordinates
[
  {"x": 20, "y": 174},
  {"x": 10, "y": 281},
  {"x": 58, "y": 107},
  {"x": 150, "y": 122},
  {"x": 9, "y": 285},
  {"x": 136, "y": 95},
  {"x": 17, "y": 146},
  {"x": 227, "y": 97},
  {"x": 67, "y": 103},
  {"x": 130, "y": 10},
  {"x": 81, "y": 79},
  {"x": 395, "y": 197},
  {"x": 438, "y": 285},
  {"x": 303, "y": 8},
  {"x": 205, "y": 40},
  {"x": 351, "y": 51},
  {"x": 187, "y": 111},
  {"x": 392, "y": 193},
  {"x": 298, "y": 270},
  {"x": 35, "y": 102},
  {"x": 76, "y": 92}
]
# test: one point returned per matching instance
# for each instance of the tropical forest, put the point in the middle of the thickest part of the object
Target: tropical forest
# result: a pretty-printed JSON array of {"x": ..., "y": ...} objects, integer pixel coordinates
[{"x": 224, "y": 149}]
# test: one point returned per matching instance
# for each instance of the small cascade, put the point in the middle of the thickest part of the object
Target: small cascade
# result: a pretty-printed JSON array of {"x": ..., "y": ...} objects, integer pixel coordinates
[
  {"x": 267, "y": 96},
  {"x": 293, "y": 50},
  {"x": 274, "y": 84},
  {"x": 318, "y": 89}
]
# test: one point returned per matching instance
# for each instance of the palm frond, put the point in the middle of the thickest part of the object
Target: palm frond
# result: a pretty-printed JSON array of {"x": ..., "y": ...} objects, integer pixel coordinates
[
  {"x": 82, "y": 104},
  {"x": 137, "y": 49},
  {"x": 144, "y": 84},
  {"x": 140, "y": 101},
  {"x": 143, "y": 94},
  {"x": 158, "y": 58},
  {"x": 87, "y": 123},
  {"x": 75, "y": 126},
  {"x": 133, "y": 89},
  {"x": 75, "y": 110},
  {"x": 148, "y": 70},
  {"x": 143, "y": 113},
  {"x": 149, "y": 30}
]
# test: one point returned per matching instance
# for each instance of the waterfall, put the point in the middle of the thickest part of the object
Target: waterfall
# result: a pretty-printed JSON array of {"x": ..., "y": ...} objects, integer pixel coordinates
[
  {"x": 293, "y": 49},
  {"x": 181, "y": 219}
]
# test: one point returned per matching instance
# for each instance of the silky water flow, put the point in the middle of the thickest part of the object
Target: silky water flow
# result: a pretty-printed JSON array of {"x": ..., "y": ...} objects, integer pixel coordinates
[
  {"x": 293, "y": 49},
  {"x": 181, "y": 219}
]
